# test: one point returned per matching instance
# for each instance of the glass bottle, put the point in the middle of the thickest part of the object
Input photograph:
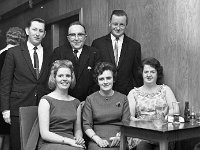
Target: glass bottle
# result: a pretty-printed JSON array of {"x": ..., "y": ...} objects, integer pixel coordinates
[{"x": 187, "y": 112}]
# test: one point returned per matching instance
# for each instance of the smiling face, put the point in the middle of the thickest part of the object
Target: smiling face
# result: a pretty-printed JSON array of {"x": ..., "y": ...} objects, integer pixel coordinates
[
  {"x": 76, "y": 36},
  {"x": 36, "y": 32},
  {"x": 149, "y": 75},
  {"x": 105, "y": 81},
  {"x": 117, "y": 25},
  {"x": 63, "y": 78}
]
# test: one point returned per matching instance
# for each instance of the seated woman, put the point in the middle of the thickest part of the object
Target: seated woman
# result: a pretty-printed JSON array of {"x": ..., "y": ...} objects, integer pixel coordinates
[
  {"x": 144, "y": 100},
  {"x": 59, "y": 113},
  {"x": 104, "y": 108}
]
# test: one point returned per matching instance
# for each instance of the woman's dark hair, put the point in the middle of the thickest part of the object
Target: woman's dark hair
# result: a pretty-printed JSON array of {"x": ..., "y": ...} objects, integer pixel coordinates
[
  {"x": 101, "y": 67},
  {"x": 155, "y": 64}
]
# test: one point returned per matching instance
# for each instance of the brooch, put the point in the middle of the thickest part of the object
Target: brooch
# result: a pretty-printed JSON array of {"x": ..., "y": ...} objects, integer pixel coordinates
[
  {"x": 118, "y": 104},
  {"x": 89, "y": 68}
]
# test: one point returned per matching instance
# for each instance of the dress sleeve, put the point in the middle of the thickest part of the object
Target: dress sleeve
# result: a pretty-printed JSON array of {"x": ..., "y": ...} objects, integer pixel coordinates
[
  {"x": 87, "y": 115},
  {"x": 76, "y": 103},
  {"x": 126, "y": 112}
]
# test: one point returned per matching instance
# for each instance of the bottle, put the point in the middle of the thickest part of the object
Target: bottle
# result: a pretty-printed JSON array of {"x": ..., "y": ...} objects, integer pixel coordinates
[
  {"x": 187, "y": 112},
  {"x": 192, "y": 118}
]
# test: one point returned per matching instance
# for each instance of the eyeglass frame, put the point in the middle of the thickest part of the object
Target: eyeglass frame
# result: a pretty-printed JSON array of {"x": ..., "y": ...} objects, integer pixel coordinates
[{"x": 73, "y": 36}]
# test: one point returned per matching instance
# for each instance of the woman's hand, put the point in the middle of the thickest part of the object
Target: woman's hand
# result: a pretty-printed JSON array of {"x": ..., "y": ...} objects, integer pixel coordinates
[
  {"x": 115, "y": 141},
  {"x": 80, "y": 141},
  {"x": 72, "y": 142},
  {"x": 100, "y": 142}
]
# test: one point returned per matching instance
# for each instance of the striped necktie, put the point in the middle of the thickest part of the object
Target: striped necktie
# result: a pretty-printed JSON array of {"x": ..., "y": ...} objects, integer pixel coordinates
[{"x": 116, "y": 50}]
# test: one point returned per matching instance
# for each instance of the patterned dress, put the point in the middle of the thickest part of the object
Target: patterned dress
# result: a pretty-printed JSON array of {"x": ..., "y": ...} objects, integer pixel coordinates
[{"x": 146, "y": 105}]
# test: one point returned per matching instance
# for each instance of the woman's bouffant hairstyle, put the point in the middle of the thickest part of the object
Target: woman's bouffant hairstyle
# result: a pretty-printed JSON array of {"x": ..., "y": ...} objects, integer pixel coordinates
[
  {"x": 54, "y": 69},
  {"x": 155, "y": 64},
  {"x": 15, "y": 36},
  {"x": 101, "y": 67}
]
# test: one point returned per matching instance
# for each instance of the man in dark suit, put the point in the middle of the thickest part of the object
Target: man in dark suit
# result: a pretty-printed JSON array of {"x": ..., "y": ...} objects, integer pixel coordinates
[
  {"x": 122, "y": 51},
  {"x": 23, "y": 77},
  {"x": 83, "y": 57}
]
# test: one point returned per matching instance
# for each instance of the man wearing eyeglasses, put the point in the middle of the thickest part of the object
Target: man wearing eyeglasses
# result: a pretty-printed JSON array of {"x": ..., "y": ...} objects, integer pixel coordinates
[
  {"x": 83, "y": 57},
  {"x": 122, "y": 51}
]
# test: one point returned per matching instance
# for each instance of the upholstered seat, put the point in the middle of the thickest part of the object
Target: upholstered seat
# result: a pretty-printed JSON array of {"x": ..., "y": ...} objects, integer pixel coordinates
[{"x": 29, "y": 127}]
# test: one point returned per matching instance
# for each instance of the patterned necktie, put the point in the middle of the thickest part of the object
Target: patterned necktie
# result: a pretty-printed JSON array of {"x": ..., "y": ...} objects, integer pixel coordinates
[
  {"x": 36, "y": 62},
  {"x": 116, "y": 51},
  {"x": 75, "y": 54}
]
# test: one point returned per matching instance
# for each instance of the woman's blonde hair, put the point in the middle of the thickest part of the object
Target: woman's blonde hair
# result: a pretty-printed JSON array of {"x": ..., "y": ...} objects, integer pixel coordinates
[{"x": 54, "y": 69}]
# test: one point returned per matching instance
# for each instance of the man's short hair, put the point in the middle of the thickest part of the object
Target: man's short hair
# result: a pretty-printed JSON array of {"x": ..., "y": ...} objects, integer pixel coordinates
[
  {"x": 119, "y": 13},
  {"x": 38, "y": 20},
  {"x": 77, "y": 23}
]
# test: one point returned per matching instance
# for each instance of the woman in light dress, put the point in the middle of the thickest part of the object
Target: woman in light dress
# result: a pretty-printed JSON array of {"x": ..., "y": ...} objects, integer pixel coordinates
[{"x": 144, "y": 101}]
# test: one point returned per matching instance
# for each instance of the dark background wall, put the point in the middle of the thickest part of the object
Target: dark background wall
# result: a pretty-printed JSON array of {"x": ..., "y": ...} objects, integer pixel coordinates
[{"x": 167, "y": 29}]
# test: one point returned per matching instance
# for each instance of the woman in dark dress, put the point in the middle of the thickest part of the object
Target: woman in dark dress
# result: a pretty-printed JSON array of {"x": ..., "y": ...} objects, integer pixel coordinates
[
  {"x": 14, "y": 37},
  {"x": 103, "y": 109},
  {"x": 59, "y": 113}
]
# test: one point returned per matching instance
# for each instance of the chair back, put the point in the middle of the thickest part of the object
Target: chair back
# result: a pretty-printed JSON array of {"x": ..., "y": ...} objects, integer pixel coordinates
[{"x": 29, "y": 127}]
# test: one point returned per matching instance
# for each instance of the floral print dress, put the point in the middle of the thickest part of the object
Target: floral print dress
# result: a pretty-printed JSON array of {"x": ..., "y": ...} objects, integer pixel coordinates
[{"x": 146, "y": 105}]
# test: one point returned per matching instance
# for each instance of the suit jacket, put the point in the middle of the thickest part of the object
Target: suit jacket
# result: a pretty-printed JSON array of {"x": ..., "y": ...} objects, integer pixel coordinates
[
  {"x": 19, "y": 84},
  {"x": 128, "y": 65},
  {"x": 85, "y": 84}
]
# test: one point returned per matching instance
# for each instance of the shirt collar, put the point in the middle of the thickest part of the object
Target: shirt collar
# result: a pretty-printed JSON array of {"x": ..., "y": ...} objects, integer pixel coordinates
[
  {"x": 79, "y": 50},
  {"x": 31, "y": 46},
  {"x": 114, "y": 38}
]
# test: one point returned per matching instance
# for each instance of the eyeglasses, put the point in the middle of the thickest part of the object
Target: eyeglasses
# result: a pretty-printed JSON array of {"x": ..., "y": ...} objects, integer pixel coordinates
[
  {"x": 73, "y": 36},
  {"x": 121, "y": 26}
]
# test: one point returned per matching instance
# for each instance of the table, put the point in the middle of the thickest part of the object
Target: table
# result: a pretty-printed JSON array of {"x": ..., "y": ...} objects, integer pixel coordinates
[{"x": 163, "y": 135}]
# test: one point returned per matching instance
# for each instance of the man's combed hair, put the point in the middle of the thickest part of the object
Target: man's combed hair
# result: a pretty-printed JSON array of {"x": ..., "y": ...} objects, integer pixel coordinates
[
  {"x": 119, "y": 13},
  {"x": 38, "y": 20}
]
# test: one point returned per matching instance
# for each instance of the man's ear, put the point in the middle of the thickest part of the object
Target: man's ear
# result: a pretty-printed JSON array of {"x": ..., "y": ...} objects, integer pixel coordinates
[
  {"x": 27, "y": 30},
  {"x": 44, "y": 34}
]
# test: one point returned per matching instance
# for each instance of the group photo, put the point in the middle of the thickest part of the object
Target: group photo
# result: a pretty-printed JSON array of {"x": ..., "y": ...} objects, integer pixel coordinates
[{"x": 99, "y": 75}]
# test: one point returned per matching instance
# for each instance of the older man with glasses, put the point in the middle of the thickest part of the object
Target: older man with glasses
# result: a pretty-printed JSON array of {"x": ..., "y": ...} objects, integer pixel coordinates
[
  {"x": 122, "y": 51},
  {"x": 84, "y": 59}
]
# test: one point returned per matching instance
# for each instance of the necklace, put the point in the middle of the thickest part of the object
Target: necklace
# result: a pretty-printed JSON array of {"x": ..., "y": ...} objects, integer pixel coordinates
[{"x": 107, "y": 96}]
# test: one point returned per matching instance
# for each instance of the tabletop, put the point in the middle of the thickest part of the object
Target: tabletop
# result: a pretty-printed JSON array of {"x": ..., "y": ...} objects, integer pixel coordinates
[{"x": 163, "y": 135}]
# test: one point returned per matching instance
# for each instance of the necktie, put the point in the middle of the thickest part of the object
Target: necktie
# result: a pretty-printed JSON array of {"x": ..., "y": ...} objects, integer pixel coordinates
[
  {"x": 116, "y": 51},
  {"x": 36, "y": 62},
  {"x": 75, "y": 54}
]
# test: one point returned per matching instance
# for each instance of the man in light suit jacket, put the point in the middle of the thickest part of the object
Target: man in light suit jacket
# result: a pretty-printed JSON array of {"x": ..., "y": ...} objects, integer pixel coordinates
[
  {"x": 127, "y": 57},
  {"x": 83, "y": 57},
  {"x": 21, "y": 85}
]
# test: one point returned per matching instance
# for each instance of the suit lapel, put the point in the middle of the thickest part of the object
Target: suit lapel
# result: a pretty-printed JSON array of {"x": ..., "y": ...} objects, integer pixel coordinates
[
  {"x": 123, "y": 51},
  {"x": 110, "y": 48},
  {"x": 44, "y": 62},
  {"x": 83, "y": 60},
  {"x": 27, "y": 57}
]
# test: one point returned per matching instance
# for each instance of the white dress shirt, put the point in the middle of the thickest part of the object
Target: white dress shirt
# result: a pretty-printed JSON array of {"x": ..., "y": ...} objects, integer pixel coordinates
[
  {"x": 79, "y": 52},
  {"x": 39, "y": 53},
  {"x": 120, "y": 42}
]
